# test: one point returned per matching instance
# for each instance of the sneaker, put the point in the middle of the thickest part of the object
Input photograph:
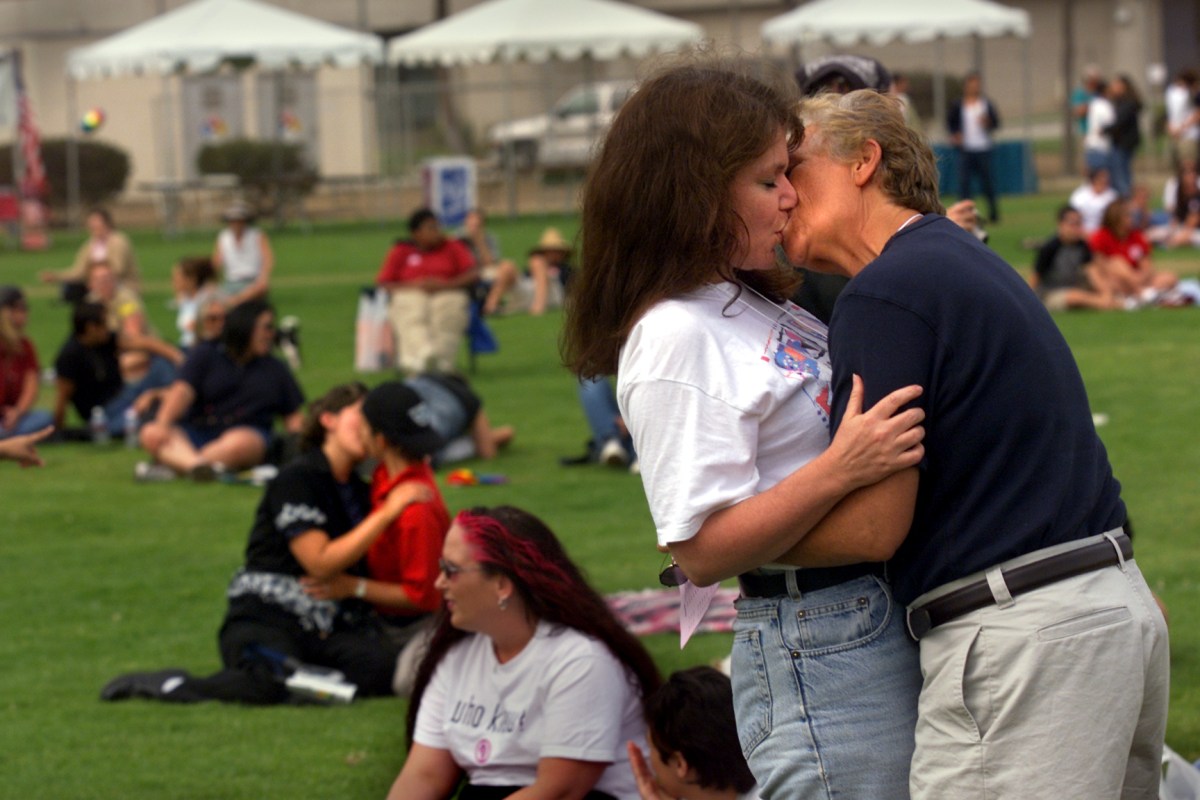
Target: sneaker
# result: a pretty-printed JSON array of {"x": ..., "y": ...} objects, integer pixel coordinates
[
  {"x": 206, "y": 473},
  {"x": 614, "y": 454},
  {"x": 635, "y": 468},
  {"x": 150, "y": 685},
  {"x": 151, "y": 472}
]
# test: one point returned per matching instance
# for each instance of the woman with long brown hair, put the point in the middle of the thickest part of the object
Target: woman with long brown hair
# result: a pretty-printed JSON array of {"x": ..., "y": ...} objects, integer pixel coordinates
[{"x": 725, "y": 388}]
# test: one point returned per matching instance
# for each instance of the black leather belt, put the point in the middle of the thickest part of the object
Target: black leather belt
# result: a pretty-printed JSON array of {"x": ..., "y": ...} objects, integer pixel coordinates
[
  {"x": 1022, "y": 579},
  {"x": 774, "y": 584}
]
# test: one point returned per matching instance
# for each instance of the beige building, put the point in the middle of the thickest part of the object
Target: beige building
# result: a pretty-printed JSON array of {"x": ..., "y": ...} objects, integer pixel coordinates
[{"x": 363, "y": 121}]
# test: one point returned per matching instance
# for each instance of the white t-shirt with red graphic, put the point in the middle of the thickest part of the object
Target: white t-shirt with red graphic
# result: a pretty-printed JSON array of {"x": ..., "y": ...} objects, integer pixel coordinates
[
  {"x": 564, "y": 696},
  {"x": 725, "y": 394}
]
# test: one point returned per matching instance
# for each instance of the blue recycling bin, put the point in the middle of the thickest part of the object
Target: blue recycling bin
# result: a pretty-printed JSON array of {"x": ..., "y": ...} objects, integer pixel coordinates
[
  {"x": 1012, "y": 169},
  {"x": 450, "y": 188}
]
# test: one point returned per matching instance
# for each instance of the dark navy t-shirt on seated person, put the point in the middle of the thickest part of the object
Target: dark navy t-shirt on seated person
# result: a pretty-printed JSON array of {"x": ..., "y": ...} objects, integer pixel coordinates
[
  {"x": 230, "y": 394},
  {"x": 1012, "y": 460}
]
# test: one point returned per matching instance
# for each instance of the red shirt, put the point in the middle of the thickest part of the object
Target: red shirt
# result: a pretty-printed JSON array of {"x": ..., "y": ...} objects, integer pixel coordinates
[
  {"x": 14, "y": 366},
  {"x": 407, "y": 552},
  {"x": 406, "y": 263},
  {"x": 1133, "y": 248}
]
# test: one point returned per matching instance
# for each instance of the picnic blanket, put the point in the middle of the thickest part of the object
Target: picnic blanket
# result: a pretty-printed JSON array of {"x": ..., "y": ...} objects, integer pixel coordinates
[{"x": 657, "y": 611}]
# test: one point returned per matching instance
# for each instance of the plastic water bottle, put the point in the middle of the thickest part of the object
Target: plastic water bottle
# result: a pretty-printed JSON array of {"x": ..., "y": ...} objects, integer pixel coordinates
[
  {"x": 131, "y": 428},
  {"x": 98, "y": 425}
]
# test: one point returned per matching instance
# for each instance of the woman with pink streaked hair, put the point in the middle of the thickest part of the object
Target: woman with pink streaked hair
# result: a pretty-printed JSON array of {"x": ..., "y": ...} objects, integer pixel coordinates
[{"x": 531, "y": 684}]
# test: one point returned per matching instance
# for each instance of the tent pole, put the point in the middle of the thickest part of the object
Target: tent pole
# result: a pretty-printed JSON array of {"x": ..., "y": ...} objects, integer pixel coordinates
[
  {"x": 1027, "y": 110},
  {"x": 72, "y": 154},
  {"x": 939, "y": 88},
  {"x": 170, "y": 181},
  {"x": 510, "y": 153}
]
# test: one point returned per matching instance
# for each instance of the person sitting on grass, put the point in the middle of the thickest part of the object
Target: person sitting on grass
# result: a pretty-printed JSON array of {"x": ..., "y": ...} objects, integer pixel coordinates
[
  {"x": 542, "y": 285},
  {"x": 105, "y": 243},
  {"x": 19, "y": 372},
  {"x": 531, "y": 685},
  {"x": 88, "y": 371},
  {"x": 127, "y": 318},
  {"x": 1065, "y": 274},
  {"x": 195, "y": 283},
  {"x": 456, "y": 413},
  {"x": 219, "y": 414},
  {"x": 403, "y": 562},
  {"x": 1125, "y": 253},
  {"x": 1092, "y": 196},
  {"x": 315, "y": 519},
  {"x": 693, "y": 738}
]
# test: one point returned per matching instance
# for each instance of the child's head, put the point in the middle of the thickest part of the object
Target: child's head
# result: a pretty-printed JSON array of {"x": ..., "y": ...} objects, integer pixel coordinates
[
  {"x": 1070, "y": 225},
  {"x": 693, "y": 735},
  {"x": 190, "y": 275}
]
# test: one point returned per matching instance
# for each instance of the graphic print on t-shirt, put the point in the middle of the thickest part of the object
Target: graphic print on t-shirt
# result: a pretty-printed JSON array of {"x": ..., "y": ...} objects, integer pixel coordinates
[{"x": 799, "y": 348}]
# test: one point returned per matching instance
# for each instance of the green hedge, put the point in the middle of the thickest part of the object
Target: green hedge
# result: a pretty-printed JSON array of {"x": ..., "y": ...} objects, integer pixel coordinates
[
  {"x": 271, "y": 173},
  {"x": 103, "y": 171}
]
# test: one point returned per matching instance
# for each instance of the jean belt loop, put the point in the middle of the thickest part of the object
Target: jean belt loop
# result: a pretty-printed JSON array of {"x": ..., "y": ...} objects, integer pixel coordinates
[
  {"x": 1000, "y": 593},
  {"x": 1120, "y": 556},
  {"x": 793, "y": 589}
]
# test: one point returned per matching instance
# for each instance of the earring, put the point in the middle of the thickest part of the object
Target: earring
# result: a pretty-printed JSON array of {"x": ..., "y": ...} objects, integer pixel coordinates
[{"x": 503, "y": 603}]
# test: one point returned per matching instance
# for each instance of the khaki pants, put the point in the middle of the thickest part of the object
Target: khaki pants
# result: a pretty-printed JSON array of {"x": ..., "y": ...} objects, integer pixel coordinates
[
  {"x": 1058, "y": 693},
  {"x": 429, "y": 328}
]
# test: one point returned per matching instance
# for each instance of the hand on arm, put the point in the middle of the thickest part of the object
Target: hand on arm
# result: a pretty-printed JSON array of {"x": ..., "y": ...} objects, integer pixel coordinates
[
  {"x": 428, "y": 774},
  {"x": 869, "y": 446},
  {"x": 324, "y": 558}
]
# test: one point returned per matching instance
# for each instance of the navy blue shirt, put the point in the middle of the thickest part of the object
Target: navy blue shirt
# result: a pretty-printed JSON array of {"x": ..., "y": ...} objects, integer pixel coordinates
[
  {"x": 1012, "y": 460},
  {"x": 229, "y": 394}
]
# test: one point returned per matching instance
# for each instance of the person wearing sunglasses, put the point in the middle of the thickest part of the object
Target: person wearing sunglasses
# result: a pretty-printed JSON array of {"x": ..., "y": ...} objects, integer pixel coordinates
[
  {"x": 315, "y": 519},
  {"x": 219, "y": 414},
  {"x": 531, "y": 687}
]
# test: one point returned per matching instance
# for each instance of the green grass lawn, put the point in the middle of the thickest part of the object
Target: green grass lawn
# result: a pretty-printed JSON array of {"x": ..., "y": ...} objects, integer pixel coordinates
[{"x": 101, "y": 575}]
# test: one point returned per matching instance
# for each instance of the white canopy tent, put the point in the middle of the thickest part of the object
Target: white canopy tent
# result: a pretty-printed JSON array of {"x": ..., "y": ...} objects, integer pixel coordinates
[
  {"x": 202, "y": 35},
  {"x": 537, "y": 30},
  {"x": 506, "y": 31},
  {"x": 848, "y": 22}
]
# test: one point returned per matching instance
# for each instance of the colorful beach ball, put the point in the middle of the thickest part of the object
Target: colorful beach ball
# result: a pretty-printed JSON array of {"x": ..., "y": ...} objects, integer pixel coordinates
[{"x": 93, "y": 118}]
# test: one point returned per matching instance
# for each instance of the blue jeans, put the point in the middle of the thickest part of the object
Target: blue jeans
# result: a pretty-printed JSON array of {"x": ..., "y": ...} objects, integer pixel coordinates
[
  {"x": 600, "y": 407},
  {"x": 31, "y": 421},
  {"x": 825, "y": 691},
  {"x": 160, "y": 373},
  {"x": 1121, "y": 169}
]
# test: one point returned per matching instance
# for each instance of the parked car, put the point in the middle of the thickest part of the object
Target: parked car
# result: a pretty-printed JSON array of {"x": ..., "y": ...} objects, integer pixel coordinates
[{"x": 566, "y": 136}]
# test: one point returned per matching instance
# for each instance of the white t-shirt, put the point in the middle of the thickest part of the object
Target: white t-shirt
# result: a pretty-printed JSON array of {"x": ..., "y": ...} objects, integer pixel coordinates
[
  {"x": 240, "y": 260},
  {"x": 1091, "y": 204},
  {"x": 722, "y": 403},
  {"x": 1100, "y": 115},
  {"x": 975, "y": 136},
  {"x": 1178, "y": 101},
  {"x": 564, "y": 696}
]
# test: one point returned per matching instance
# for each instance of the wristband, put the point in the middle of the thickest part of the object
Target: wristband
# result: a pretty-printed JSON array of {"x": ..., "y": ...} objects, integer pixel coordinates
[{"x": 360, "y": 590}]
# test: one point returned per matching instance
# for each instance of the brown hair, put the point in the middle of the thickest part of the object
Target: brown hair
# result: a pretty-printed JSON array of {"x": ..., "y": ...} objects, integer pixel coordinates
[
  {"x": 658, "y": 218},
  {"x": 907, "y": 171},
  {"x": 1114, "y": 217},
  {"x": 312, "y": 433}
]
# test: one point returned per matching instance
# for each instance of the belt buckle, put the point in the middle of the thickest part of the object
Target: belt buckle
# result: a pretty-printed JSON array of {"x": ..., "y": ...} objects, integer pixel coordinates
[{"x": 918, "y": 622}]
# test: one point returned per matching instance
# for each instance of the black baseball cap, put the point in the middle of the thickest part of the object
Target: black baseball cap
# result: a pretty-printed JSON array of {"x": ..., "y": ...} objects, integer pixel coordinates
[
  {"x": 401, "y": 415},
  {"x": 843, "y": 72}
]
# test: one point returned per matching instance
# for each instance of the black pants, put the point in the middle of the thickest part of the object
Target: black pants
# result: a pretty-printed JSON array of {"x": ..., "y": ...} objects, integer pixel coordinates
[
  {"x": 978, "y": 163},
  {"x": 364, "y": 654}
]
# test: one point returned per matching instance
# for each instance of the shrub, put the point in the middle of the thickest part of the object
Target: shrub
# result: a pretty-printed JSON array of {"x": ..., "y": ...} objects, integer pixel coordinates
[
  {"x": 103, "y": 171},
  {"x": 272, "y": 174}
]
